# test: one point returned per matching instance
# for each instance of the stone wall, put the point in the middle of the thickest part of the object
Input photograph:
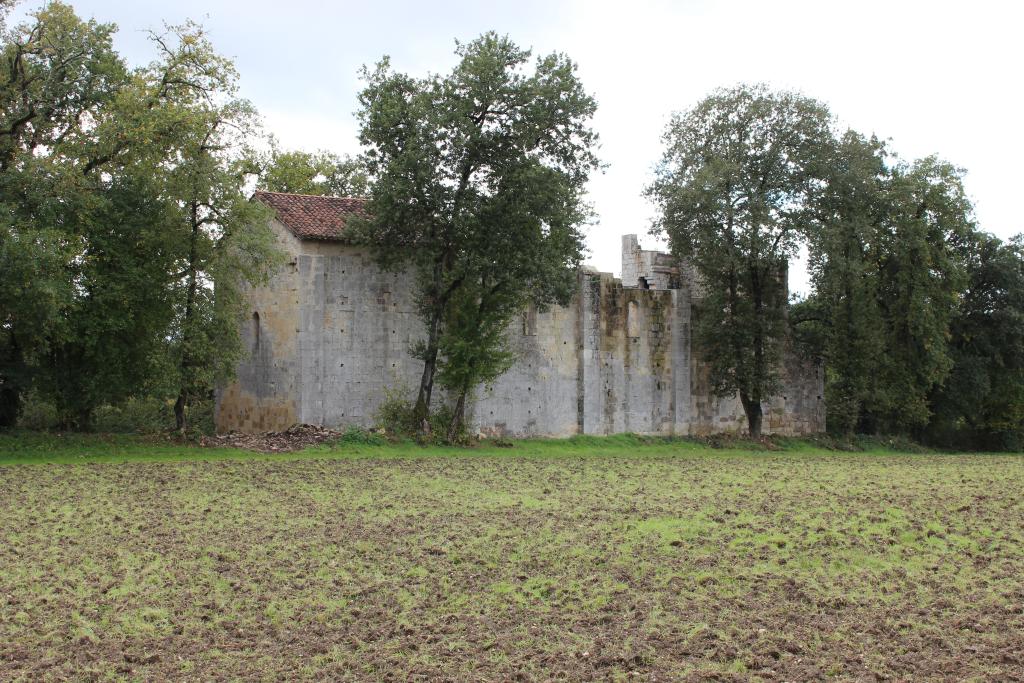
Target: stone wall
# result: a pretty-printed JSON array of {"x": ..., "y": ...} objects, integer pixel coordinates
[
  {"x": 266, "y": 395},
  {"x": 334, "y": 332},
  {"x": 799, "y": 409}
]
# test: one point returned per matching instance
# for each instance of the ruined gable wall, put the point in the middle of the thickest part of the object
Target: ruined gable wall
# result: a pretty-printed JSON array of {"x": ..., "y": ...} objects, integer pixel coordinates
[
  {"x": 335, "y": 331},
  {"x": 658, "y": 269},
  {"x": 538, "y": 395},
  {"x": 265, "y": 393},
  {"x": 798, "y": 408},
  {"x": 801, "y": 407}
]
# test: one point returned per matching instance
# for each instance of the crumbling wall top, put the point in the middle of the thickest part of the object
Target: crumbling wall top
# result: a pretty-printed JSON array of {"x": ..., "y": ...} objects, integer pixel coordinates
[{"x": 648, "y": 269}]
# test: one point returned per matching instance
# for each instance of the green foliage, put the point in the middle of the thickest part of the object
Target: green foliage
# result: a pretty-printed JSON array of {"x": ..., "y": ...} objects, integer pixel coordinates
[
  {"x": 115, "y": 328},
  {"x": 147, "y": 415},
  {"x": 841, "y": 321},
  {"x": 318, "y": 173},
  {"x": 446, "y": 426},
  {"x": 733, "y": 191},
  {"x": 396, "y": 414},
  {"x": 747, "y": 177},
  {"x": 920, "y": 275},
  {"x": 57, "y": 73},
  {"x": 357, "y": 436},
  {"x": 474, "y": 342},
  {"x": 227, "y": 245},
  {"x": 886, "y": 263},
  {"x": 123, "y": 208},
  {"x": 142, "y": 415},
  {"x": 981, "y": 404},
  {"x": 152, "y": 415},
  {"x": 36, "y": 414},
  {"x": 478, "y": 184}
]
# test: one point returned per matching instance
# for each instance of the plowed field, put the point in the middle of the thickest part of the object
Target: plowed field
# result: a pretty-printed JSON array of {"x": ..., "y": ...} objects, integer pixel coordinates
[{"x": 651, "y": 563}]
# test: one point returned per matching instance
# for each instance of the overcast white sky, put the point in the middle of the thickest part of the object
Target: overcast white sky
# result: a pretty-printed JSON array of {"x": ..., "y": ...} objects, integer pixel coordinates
[{"x": 935, "y": 77}]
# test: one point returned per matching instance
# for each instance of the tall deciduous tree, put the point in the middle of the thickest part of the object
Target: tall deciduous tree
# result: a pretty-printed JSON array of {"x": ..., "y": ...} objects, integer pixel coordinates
[
  {"x": 57, "y": 74},
  {"x": 919, "y": 253},
  {"x": 887, "y": 259},
  {"x": 478, "y": 182},
  {"x": 220, "y": 241},
  {"x": 316, "y": 173},
  {"x": 843, "y": 319},
  {"x": 733, "y": 190},
  {"x": 526, "y": 250}
]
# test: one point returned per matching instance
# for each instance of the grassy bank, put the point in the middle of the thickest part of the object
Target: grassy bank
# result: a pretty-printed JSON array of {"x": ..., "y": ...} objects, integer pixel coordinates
[{"x": 66, "y": 448}]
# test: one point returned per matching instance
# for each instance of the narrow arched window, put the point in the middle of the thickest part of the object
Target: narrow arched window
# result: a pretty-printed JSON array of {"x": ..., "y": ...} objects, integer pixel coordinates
[
  {"x": 255, "y": 331},
  {"x": 530, "y": 320}
]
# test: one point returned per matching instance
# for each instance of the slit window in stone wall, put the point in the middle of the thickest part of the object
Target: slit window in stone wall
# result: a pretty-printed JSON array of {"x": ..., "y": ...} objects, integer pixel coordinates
[
  {"x": 530, "y": 320},
  {"x": 633, "y": 320},
  {"x": 255, "y": 331}
]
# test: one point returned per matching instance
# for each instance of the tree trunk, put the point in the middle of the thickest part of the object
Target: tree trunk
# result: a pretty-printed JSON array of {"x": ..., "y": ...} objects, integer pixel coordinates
[
  {"x": 459, "y": 414},
  {"x": 441, "y": 295},
  {"x": 83, "y": 421},
  {"x": 179, "y": 411},
  {"x": 421, "y": 413},
  {"x": 10, "y": 392},
  {"x": 458, "y": 417},
  {"x": 190, "y": 301},
  {"x": 752, "y": 408},
  {"x": 10, "y": 405}
]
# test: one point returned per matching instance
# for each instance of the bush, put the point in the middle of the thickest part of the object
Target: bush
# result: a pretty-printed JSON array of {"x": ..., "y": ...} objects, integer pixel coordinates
[
  {"x": 440, "y": 419},
  {"x": 963, "y": 438},
  {"x": 146, "y": 415},
  {"x": 395, "y": 416},
  {"x": 200, "y": 418},
  {"x": 357, "y": 436},
  {"x": 37, "y": 414},
  {"x": 137, "y": 415}
]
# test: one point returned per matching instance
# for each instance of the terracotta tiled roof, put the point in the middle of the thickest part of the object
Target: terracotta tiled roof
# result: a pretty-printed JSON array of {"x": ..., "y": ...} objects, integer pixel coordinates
[{"x": 311, "y": 217}]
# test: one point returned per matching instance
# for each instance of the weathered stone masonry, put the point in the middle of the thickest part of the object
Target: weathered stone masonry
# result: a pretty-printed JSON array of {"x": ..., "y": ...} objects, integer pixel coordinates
[{"x": 330, "y": 336}]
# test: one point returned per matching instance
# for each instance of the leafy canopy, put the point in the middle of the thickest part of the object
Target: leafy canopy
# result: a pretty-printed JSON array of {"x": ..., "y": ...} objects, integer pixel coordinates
[{"x": 316, "y": 173}]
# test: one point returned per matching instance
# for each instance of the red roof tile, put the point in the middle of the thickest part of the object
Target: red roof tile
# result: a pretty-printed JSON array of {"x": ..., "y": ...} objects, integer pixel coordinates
[{"x": 311, "y": 217}]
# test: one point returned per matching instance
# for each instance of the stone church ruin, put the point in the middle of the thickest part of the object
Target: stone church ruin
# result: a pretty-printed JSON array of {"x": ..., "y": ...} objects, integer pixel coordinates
[{"x": 330, "y": 334}]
